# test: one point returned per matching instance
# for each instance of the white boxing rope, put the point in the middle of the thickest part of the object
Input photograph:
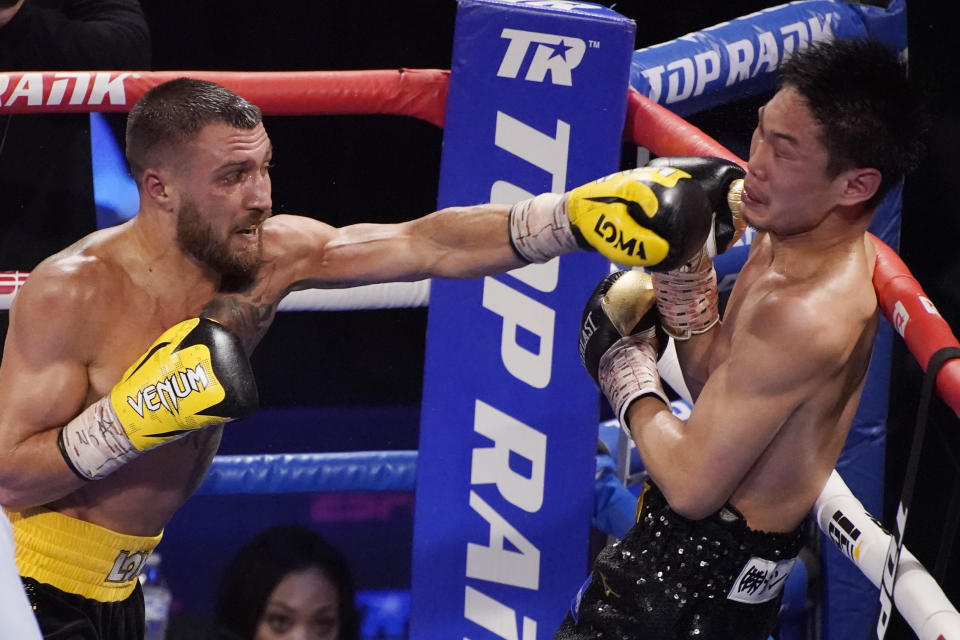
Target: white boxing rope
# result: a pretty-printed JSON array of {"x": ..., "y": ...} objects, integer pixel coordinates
[
  {"x": 917, "y": 596},
  {"x": 389, "y": 295},
  {"x": 10, "y": 283}
]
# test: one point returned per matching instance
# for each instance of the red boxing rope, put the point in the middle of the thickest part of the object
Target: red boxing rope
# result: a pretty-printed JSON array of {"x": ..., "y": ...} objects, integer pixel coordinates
[
  {"x": 915, "y": 318},
  {"x": 665, "y": 133},
  {"x": 419, "y": 93},
  {"x": 901, "y": 298}
]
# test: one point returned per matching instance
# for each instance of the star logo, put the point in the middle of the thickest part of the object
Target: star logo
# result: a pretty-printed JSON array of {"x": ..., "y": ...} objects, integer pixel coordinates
[{"x": 560, "y": 49}]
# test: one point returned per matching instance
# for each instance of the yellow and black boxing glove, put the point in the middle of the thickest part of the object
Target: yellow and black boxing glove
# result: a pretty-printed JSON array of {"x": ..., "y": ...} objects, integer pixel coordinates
[
  {"x": 196, "y": 374},
  {"x": 655, "y": 217},
  {"x": 722, "y": 182}
]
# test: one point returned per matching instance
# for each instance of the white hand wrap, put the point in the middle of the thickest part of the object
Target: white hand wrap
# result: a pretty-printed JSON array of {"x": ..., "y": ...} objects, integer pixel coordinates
[
  {"x": 688, "y": 301},
  {"x": 94, "y": 444},
  {"x": 628, "y": 370},
  {"x": 540, "y": 228}
]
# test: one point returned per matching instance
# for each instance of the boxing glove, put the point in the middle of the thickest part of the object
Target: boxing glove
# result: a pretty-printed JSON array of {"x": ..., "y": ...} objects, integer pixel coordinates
[
  {"x": 657, "y": 217},
  {"x": 722, "y": 182},
  {"x": 196, "y": 374},
  {"x": 620, "y": 340}
]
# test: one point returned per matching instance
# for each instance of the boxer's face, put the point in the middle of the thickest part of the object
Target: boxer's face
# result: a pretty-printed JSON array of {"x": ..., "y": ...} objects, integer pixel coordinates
[
  {"x": 787, "y": 189},
  {"x": 225, "y": 198},
  {"x": 303, "y": 606}
]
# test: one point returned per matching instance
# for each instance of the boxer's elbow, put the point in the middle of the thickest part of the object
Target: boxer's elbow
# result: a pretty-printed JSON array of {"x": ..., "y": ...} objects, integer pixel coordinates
[
  {"x": 17, "y": 489},
  {"x": 693, "y": 502},
  {"x": 14, "y": 501},
  {"x": 11, "y": 496},
  {"x": 16, "y": 497}
]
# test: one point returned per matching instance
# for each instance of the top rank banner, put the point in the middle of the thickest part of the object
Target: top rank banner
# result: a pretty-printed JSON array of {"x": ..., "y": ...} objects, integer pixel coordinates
[
  {"x": 537, "y": 103},
  {"x": 740, "y": 58}
]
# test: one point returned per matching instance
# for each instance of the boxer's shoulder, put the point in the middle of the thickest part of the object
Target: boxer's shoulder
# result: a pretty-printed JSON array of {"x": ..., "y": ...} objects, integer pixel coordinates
[{"x": 287, "y": 235}]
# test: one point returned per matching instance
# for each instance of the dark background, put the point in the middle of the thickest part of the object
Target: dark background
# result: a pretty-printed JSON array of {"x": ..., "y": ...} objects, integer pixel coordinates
[{"x": 311, "y": 365}]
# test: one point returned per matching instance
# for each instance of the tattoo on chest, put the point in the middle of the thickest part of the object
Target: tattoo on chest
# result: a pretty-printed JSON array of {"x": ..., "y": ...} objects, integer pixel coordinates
[{"x": 246, "y": 314}]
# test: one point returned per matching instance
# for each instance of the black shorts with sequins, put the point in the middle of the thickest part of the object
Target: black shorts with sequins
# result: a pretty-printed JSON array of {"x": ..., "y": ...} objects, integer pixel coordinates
[
  {"x": 68, "y": 616},
  {"x": 669, "y": 577}
]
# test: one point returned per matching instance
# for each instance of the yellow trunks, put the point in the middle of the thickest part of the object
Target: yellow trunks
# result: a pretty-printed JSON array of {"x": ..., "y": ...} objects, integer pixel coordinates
[{"x": 76, "y": 556}]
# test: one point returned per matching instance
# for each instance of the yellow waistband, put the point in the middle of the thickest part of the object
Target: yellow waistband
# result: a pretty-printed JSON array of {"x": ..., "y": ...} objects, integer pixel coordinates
[{"x": 76, "y": 556}]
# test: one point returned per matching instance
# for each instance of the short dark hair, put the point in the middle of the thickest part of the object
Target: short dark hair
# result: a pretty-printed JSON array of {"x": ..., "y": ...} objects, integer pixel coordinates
[
  {"x": 262, "y": 563},
  {"x": 870, "y": 115},
  {"x": 174, "y": 112}
]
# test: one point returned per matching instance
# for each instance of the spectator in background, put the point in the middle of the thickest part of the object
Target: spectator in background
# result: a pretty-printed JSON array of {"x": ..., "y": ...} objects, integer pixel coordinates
[
  {"x": 46, "y": 190},
  {"x": 288, "y": 582}
]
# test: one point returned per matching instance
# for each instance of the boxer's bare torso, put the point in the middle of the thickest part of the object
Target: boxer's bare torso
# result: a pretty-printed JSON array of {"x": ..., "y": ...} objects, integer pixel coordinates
[{"x": 780, "y": 488}]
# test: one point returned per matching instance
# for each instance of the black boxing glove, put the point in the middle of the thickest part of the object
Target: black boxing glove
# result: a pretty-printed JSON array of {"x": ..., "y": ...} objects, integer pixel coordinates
[
  {"x": 620, "y": 340},
  {"x": 722, "y": 181}
]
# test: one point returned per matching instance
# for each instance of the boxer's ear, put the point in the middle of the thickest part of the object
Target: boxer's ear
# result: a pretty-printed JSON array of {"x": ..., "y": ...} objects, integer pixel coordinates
[{"x": 859, "y": 185}]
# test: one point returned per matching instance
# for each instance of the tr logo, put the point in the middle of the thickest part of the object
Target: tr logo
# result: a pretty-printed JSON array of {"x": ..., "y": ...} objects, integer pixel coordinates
[{"x": 557, "y": 54}]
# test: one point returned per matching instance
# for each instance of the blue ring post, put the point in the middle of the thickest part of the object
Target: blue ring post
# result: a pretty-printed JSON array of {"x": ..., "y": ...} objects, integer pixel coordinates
[{"x": 537, "y": 103}]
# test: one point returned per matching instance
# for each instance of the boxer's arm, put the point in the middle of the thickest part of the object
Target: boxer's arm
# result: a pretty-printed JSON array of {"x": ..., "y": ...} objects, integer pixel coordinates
[
  {"x": 459, "y": 242},
  {"x": 774, "y": 366},
  {"x": 43, "y": 384},
  {"x": 722, "y": 181}
]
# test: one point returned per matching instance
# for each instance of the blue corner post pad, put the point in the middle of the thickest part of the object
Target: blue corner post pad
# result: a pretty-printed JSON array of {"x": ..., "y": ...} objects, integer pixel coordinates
[{"x": 536, "y": 103}]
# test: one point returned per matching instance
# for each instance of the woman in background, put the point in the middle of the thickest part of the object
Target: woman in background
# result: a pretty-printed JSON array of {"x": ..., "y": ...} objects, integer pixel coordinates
[{"x": 287, "y": 583}]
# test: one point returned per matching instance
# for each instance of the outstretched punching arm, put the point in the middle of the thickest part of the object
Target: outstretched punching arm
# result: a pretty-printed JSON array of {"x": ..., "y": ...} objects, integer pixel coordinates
[
  {"x": 457, "y": 242},
  {"x": 644, "y": 217}
]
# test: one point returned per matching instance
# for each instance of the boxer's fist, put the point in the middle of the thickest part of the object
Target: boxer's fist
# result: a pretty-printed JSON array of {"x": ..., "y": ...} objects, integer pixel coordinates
[
  {"x": 647, "y": 217},
  {"x": 651, "y": 217},
  {"x": 195, "y": 374},
  {"x": 722, "y": 181},
  {"x": 622, "y": 304},
  {"x": 620, "y": 339}
]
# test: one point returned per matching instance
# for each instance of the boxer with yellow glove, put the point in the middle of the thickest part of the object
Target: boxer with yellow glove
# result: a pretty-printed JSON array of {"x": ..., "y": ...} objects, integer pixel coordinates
[
  {"x": 650, "y": 216},
  {"x": 196, "y": 374}
]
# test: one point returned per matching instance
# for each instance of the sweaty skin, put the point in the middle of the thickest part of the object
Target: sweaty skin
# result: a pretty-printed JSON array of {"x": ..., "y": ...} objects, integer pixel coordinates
[
  {"x": 778, "y": 381},
  {"x": 87, "y": 313}
]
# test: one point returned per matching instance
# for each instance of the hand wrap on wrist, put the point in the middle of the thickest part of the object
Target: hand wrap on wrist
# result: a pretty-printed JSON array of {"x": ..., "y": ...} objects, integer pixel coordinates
[
  {"x": 540, "y": 228},
  {"x": 628, "y": 370},
  {"x": 687, "y": 299},
  {"x": 94, "y": 443}
]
